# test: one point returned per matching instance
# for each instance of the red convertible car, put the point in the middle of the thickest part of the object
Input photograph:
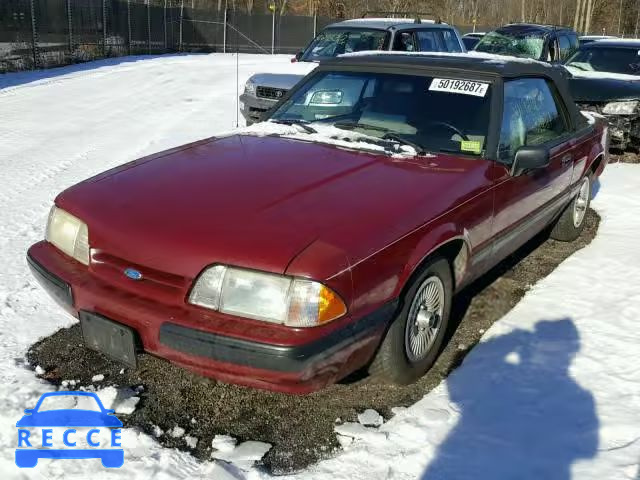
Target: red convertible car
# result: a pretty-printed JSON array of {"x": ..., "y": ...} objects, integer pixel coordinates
[{"x": 334, "y": 236}]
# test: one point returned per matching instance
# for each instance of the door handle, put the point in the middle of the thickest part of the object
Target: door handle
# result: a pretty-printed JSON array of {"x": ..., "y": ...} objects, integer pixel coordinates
[{"x": 568, "y": 158}]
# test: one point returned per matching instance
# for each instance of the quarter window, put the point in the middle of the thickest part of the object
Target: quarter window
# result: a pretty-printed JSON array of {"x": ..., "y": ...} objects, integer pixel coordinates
[
  {"x": 565, "y": 47},
  {"x": 530, "y": 117},
  {"x": 428, "y": 41},
  {"x": 451, "y": 41}
]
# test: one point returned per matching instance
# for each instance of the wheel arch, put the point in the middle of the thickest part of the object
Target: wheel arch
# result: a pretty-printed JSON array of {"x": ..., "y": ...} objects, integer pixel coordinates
[{"x": 454, "y": 249}]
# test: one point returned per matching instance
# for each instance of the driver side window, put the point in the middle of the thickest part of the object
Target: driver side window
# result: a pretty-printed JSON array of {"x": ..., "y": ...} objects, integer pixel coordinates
[{"x": 530, "y": 117}]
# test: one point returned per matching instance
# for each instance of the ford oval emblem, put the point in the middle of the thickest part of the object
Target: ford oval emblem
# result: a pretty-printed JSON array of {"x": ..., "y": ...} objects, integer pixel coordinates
[{"x": 133, "y": 274}]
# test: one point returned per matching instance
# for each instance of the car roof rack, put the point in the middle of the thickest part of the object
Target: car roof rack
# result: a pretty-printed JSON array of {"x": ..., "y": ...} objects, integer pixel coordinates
[{"x": 417, "y": 16}]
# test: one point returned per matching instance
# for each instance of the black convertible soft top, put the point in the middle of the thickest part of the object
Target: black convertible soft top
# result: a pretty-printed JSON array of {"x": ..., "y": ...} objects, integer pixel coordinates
[
  {"x": 483, "y": 63},
  {"x": 472, "y": 65}
]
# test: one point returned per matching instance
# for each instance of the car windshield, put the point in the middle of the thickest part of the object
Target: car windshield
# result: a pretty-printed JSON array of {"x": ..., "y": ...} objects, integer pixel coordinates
[
  {"x": 526, "y": 45},
  {"x": 336, "y": 41},
  {"x": 604, "y": 59},
  {"x": 430, "y": 114},
  {"x": 66, "y": 402}
]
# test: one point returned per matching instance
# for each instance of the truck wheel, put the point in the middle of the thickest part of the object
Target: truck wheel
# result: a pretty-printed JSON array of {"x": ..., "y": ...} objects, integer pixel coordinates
[
  {"x": 413, "y": 340},
  {"x": 571, "y": 223}
]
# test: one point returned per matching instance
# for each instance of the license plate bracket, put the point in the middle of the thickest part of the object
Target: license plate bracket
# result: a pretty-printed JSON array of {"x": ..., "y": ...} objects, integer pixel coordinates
[{"x": 110, "y": 338}]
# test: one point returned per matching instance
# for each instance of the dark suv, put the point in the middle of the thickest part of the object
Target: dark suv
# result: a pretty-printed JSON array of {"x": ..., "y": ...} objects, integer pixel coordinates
[
  {"x": 263, "y": 90},
  {"x": 547, "y": 43}
]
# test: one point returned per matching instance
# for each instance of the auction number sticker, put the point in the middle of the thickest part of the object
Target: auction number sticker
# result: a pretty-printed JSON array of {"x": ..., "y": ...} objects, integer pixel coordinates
[{"x": 465, "y": 87}]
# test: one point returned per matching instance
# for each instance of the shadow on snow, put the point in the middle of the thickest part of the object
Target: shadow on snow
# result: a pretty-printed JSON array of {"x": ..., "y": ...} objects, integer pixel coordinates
[{"x": 521, "y": 414}]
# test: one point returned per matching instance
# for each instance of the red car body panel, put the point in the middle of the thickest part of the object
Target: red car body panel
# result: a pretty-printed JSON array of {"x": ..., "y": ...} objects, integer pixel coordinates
[{"x": 359, "y": 222}]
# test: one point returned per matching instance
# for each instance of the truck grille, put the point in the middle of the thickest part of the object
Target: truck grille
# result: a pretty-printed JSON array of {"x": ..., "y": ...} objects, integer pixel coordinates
[{"x": 271, "y": 92}]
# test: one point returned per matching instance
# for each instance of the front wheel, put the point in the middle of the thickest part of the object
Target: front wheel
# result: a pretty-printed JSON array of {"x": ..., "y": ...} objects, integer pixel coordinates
[
  {"x": 571, "y": 223},
  {"x": 413, "y": 340}
]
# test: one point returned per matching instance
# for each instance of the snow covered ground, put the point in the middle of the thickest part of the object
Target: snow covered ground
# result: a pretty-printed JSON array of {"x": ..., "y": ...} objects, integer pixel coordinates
[{"x": 552, "y": 392}]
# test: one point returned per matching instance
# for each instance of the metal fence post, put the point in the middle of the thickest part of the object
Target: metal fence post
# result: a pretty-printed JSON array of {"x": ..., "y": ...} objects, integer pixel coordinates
[
  {"x": 180, "y": 30},
  {"x": 149, "y": 26},
  {"x": 34, "y": 35},
  {"x": 315, "y": 23},
  {"x": 129, "y": 27},
  {"x": 70, "y": 26},
  {"x": 104, "y": 28},
  {"x": 273, "y": 31},
  {"x": 165, "y": 25},
  {"x": 224, "y": 31}
]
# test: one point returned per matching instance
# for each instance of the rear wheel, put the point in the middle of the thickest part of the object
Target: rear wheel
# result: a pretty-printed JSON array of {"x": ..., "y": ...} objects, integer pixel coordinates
[
  {"x": 413, "y": 340},
  {"x": 571, "y": 222}
]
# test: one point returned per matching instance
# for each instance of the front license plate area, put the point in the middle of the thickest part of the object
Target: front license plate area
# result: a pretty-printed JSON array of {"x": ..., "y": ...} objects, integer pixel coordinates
[{"x": 110, "y": 338}]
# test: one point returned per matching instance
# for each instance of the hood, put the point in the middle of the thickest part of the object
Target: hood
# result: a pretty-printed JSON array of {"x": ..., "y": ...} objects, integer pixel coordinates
[
  {"x": 283, "y": 80},
  {"x": 258, "y": 202},
  {"x": 600, "y": 89}
]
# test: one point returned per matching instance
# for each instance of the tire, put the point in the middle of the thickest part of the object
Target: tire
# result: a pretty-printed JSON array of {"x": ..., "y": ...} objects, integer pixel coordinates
[
  {"x": 571, "y": 222},
  {"x": 410, "y": 346}
]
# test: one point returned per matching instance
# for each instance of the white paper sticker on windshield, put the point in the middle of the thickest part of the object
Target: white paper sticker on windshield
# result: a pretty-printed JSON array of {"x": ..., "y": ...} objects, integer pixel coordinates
[{"x": 465, "y": 87}]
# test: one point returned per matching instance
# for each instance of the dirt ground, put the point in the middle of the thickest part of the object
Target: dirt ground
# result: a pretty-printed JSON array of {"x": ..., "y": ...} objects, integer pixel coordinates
[{"x": 299, "y": 428}]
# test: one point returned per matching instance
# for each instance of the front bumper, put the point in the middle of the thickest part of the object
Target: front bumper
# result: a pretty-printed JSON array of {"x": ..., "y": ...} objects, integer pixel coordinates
[
  {"x": 177, "y": 334},
  {"x": 253, "y": 108},
  {"x": 624, "y": 130}
]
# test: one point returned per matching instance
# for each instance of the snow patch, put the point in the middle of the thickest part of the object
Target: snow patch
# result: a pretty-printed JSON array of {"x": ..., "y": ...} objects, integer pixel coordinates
[
  {"x": 191, "y": 442},
  {"x": 370, "y": 418},
  {"x": 244, "y": 455},
  {"x": 97, "y": 378},
  {"x": 223, "y": 443},
  {"x": 176, "y": 432}
]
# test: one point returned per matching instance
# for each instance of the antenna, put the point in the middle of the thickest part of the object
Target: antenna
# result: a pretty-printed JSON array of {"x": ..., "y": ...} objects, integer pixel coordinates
[{"x": 237, "y": 77}]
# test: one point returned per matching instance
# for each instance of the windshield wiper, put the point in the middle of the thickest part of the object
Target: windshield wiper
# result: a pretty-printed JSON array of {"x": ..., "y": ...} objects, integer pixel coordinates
[
  {"x": 579, "y": 67},
  {"x": 365, "y": 126},
  {"x": 420, "y": 150},
  {"x": 299, "y": 123}
]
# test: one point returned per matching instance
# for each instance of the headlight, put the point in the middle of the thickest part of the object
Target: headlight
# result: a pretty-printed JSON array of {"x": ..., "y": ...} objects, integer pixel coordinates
[
  {"x": 263, "y": 296},
  {"x": 250, "y": 87},
  {"x": 620, "y": 108},
  {"x": 69, "y": 234},
  {"x": 326, "y": 97}
]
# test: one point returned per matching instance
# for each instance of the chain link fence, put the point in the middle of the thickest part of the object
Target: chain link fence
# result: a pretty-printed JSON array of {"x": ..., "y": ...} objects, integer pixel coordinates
[{"x": 48, "y": 33}]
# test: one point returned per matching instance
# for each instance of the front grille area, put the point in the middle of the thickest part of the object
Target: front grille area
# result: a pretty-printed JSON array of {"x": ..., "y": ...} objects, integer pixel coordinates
[
  {"x": 110, "y": 269},
  {"x": 270, "y": 93}
]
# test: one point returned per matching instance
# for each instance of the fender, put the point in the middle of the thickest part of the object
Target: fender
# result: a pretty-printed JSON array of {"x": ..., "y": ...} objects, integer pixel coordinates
[{"x": 437, "y": 240}]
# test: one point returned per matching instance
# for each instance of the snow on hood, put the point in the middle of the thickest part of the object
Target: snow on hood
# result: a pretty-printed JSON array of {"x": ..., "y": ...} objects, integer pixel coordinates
[
  {"x": 327, "y": 134},
  {"x": 591, "y": 116},
  {"x": 576, "y": 72}
]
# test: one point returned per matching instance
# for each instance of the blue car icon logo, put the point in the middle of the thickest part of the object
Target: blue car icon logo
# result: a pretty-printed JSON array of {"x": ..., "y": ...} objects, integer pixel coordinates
[{"x": 28, "y": 451}]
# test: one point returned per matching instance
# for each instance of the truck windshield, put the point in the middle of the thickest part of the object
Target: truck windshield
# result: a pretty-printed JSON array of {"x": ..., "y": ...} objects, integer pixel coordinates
[
  {"x": 526, "y": 45},
  {"x": 431, "y": 114},
  {"x": 336, "y": 41},
  {"x": 601, "y": 59}
]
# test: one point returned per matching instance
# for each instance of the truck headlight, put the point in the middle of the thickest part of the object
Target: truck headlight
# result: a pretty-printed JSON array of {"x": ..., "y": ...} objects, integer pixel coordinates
[
  {"x": 326, "y": 97},
  {"x": 69, "y": 234},
  {"x": 295, "y": 302},
  {"x": 620, "y": 108},
  {"x": 250, "y": 87}
]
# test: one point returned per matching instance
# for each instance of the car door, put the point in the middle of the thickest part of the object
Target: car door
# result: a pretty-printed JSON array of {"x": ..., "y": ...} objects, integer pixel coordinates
[{"x": 525, "y": 202}]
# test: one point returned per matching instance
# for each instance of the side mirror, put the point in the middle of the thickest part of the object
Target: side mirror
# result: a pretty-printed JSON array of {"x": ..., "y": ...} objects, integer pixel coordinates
[
  {"x": 28, "y": 411},
  {"x": 529, "y": 158},
  {"x": 297, "y": 57},
  {"x": 109, "y": 411}
]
